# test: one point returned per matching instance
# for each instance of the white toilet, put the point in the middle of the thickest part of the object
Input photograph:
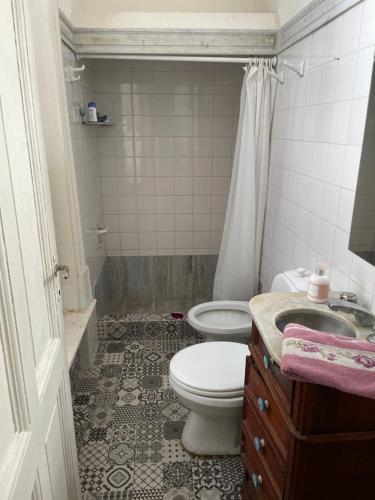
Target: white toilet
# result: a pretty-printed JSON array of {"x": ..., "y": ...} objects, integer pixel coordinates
[
  {"x": 225, "y": 320},
  {"x": 208, "y": 378},
  {"x": 230, "y": 320}
]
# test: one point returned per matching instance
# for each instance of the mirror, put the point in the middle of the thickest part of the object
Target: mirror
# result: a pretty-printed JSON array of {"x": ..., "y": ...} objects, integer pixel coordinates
[{"x": 362, "y": 233}]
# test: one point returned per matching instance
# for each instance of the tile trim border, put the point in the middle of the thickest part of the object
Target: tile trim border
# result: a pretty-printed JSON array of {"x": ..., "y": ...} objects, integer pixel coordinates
[
  {"x": 104, "y": 42},
  {"x": 311, "y": 18},
  {"x": 112, "y": 41}
]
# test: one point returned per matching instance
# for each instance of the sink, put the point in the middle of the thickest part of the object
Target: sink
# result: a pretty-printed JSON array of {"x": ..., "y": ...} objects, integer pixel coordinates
[{"x": 316, "y": 320}]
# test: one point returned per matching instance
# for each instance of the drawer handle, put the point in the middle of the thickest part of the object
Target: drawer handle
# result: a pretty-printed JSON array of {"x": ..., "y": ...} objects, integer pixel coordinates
[
  {"x": 259, "y": 443},
  {"x": 266, "y": 361},
  {"x": 262, "y": 404},
  {"x": 256, "y": 479}
]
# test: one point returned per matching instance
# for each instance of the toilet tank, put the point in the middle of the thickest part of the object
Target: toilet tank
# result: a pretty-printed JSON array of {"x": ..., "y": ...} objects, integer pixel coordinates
[{"x": 291, "y": 281}]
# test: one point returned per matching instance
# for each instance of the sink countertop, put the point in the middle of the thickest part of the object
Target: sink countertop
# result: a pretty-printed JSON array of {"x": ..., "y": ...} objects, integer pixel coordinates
[{"x": 267, "y": 307}]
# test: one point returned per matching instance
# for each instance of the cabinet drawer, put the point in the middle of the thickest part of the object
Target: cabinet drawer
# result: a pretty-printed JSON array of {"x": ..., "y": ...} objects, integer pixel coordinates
[
  {"x": 254, "y": 436},
  {"x": 257, "y": 483},
  {"x": 265, "y": 406},
  {"x": 282, "y": 385}
]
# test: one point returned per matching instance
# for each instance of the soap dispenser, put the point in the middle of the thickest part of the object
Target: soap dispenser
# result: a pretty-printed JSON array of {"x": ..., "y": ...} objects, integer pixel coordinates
[{"x": 318, "y": 287}]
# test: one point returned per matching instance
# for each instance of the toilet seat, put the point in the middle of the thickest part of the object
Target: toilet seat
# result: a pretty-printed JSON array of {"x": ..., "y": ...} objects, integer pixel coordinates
[
  {"x": 206, "y": 394},
  {"x": 221, "y": 316},
  {"x": 213, "y": 369}
]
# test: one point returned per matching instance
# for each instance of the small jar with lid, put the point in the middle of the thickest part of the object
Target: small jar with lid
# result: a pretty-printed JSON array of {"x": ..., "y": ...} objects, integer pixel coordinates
[{"x": 318, "y": 287}]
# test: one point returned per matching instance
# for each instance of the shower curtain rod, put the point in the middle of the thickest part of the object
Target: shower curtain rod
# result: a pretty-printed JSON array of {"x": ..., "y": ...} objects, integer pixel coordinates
[{"x": 241, "y": 60}]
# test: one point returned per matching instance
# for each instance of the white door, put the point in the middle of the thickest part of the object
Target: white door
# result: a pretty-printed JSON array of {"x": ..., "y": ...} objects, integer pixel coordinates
[{"x": 37, "y": 445}]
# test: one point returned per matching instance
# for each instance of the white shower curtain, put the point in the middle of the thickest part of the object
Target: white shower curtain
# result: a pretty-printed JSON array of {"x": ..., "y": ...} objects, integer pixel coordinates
[{"x": 237, "y": 272}]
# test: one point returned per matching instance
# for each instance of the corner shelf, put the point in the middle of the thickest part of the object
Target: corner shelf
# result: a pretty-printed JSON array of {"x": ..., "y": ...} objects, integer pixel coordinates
[
  {"x": 97, "y": 124},
  {"x": 92, "y": 124}
]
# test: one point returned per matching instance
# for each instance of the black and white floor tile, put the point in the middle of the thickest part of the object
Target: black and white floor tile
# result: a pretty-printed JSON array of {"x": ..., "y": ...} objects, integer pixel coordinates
[{"x": 129, "y": 422}]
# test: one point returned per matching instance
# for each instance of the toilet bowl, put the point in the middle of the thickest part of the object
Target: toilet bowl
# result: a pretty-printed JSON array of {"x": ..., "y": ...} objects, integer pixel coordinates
[
  {"x": 223, "y": 320},
  {"x": 208, "y": 379},
  {"x": 229, "y": 320}
]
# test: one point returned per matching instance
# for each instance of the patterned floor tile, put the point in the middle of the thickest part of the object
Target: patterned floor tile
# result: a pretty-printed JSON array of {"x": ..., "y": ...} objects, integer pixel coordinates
[
  {"x": 126, "y": 415},
  {"x": 105, "y": 399},
  {"x": 173, "y": 451},
  {"x": 101, "y": 416},
  {"x": 154, "y": 494},
  {"x": 132, "y": 398},
  {"x": 128, "y": 420},
  {"x": 107, "y": 385},
  {"x": 121, "y": 453},
  {"x": 173, "y": 429},
  {"x": 116, "y": 358},
  {"x": 206, "y": 475},
  {"x": 179, "y": 494},
  {"x": 150, "y": 431},
  {"x": 175, "y": 411},
  {"x": 152, "y": 368},
  {"x": 148, "y": 476},
  {"x": 125, "y": 433},
  {"x": 151, "y": 412},
  {"x": 94, "y": 454},
  {"x": 178, "y": 474},
  {"x": 148, "y": 451},
  {"x": 115, "y": 347},
  {"x": 206, "y": 494},
  {"x": 92, "y": 479},
  {"x": 86, "y": 385},
  {"x": 111, "y": 371},
  {"x": 93, "y": 434},
  {"x": 119, "y": 478},
  {"x": 112, "y": 495}
]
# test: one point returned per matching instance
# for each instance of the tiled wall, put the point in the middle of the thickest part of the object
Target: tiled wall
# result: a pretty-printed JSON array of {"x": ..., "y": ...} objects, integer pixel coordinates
[
  {"x": 166, "y": 163},
  {"x": 316, "y": 146},
  {"x": 86, "y": 160}
]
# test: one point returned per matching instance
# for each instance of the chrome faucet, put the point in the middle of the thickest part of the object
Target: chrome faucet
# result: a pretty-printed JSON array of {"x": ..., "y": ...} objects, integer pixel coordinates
[{"x": 347, "y": 303}]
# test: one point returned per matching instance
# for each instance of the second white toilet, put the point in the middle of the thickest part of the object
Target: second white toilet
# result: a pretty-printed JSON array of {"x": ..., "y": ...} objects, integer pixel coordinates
[
  {"x": 208, "y": 378},
  {"x": 230, "y": 320}
]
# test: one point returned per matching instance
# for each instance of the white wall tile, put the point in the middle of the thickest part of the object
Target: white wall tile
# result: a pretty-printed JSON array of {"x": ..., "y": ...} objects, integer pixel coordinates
[
  {"x": 122, "y": 104},
  {"x": 165, "y": 222},
  {"x": 147, "y": 241},
  {"x": 129, "y": 241},
  {"x": 142, "y": 82},
  {"x": 183, "y": 105},
  {"x": 128, "y": 223},
  {"x": 168, "y": 157},
  {"x": 164, "y": 204},
  {"x": 183, "y": 222},
  {"x": 315, "y": 153}
]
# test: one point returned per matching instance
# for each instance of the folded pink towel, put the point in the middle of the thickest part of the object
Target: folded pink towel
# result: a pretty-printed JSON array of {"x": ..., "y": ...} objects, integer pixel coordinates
[{"x": 341, "y": 362}]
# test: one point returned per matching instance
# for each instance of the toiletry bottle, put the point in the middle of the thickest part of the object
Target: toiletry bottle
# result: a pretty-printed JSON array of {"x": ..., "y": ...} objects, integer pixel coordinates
[
  {"x": 318, "y": 287},
  {"x": 91, "y": 112}
]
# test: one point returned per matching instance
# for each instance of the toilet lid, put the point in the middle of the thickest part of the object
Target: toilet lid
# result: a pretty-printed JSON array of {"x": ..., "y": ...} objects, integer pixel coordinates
[
  {"x": 211, "y": 367},
  {"x": 221, "y": 317}
]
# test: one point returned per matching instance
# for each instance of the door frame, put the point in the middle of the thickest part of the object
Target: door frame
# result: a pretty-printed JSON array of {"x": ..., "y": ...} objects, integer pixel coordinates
[
  {"x": 45, "y": 25},
  {"x": 40, "y": 400}
]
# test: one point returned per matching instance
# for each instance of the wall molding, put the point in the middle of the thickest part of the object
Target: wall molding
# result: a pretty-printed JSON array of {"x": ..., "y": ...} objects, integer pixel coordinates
[
  {"x": 311, "y": 18},
  {"x": 174, "y": 41},
  {"x": 107, "y": 41},
  {"x": 90, "y": 41},
  {"x": 66, "y": 30}
]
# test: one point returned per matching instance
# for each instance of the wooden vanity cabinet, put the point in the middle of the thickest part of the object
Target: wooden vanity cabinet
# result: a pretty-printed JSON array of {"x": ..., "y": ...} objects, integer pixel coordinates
[{"x": 303, "y": 441}]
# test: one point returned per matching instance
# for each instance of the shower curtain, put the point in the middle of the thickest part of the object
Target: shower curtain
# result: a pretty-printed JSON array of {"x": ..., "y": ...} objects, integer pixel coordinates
[{"x": 237, "y": 272}]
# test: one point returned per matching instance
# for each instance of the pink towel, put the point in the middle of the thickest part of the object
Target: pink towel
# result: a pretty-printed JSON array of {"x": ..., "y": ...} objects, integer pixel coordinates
[{"x": 341, "y": 362}]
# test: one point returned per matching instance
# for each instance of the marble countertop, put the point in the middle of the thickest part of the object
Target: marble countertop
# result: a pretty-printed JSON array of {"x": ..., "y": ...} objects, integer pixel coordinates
[
  {"x": 267, "y": 307},
  {"x": 75, "y": 323}
]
